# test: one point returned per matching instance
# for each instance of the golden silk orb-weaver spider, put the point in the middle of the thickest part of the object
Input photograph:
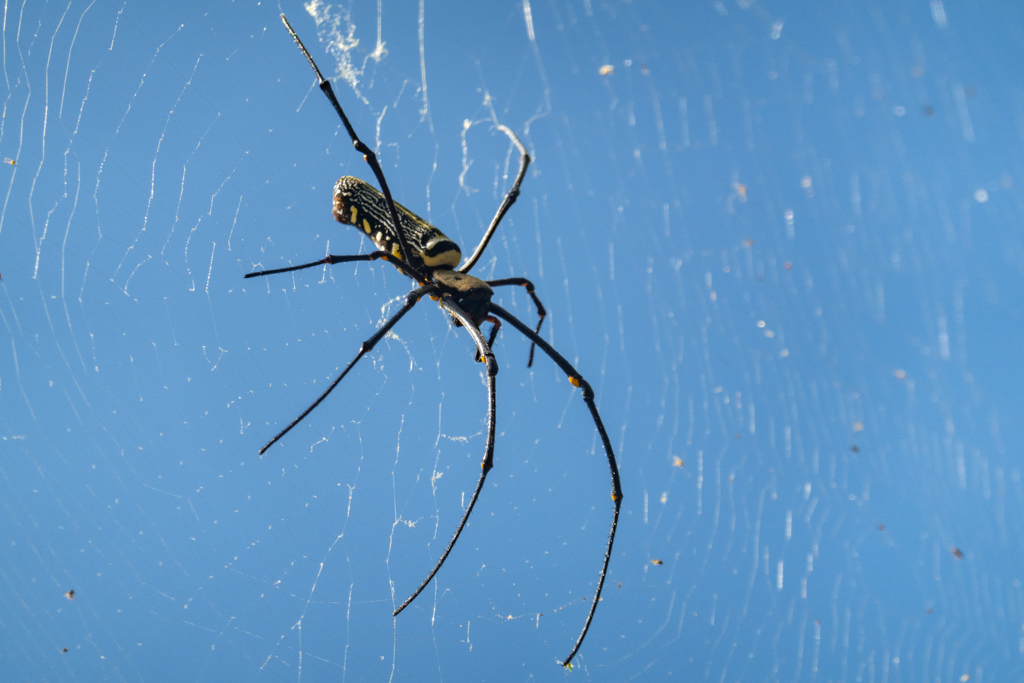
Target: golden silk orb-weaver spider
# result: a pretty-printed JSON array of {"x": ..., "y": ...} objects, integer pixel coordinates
[{"x": 425, "y": 254}]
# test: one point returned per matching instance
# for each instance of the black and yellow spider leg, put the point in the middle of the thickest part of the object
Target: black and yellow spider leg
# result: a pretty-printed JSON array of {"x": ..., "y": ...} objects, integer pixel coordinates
[
  {"x": 483, "y": 350},
  {"x": 588, "y": 397},
  {"x": 368, "y": 154},
  {"x": 411, "y": 299},
  {"x": 329, "y": 260},
  {"x": 495, "y": 326},
  {"x": 506, "y": 203},
  {"x": 541, "y": 312}
]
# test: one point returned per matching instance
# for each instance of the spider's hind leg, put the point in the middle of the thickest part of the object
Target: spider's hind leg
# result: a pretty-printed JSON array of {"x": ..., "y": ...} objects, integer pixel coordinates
[
  {"x": 368, "y": 155},
  {"x": 506, "y": 203}
]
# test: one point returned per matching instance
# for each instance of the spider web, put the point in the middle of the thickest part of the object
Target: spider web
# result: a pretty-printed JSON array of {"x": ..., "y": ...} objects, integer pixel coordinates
[{"x": 779, "y": 242}]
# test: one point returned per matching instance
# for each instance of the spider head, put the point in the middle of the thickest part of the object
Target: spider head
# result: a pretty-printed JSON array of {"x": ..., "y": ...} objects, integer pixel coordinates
[{"x": 472, "y": 294}]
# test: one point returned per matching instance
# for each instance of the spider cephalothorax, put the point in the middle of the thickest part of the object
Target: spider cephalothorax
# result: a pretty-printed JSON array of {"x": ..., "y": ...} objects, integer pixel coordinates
[
  {"x": 472, "y": 294},
  {"x": 424, "y": 253}
]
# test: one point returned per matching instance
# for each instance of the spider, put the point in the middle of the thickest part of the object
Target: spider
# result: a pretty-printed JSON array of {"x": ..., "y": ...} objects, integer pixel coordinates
[{"x": 425, "y": 254}]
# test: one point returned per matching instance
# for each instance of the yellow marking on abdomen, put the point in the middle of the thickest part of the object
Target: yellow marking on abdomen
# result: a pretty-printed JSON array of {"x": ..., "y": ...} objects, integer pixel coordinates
[
  {"x": 355, "y": 216},
  {"x": 447, "y": 259},
  {"x": 366, "y": 225}
]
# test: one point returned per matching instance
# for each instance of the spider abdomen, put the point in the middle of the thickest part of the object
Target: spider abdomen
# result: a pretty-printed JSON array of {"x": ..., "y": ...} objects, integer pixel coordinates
[{"x": 361, "y": 205}]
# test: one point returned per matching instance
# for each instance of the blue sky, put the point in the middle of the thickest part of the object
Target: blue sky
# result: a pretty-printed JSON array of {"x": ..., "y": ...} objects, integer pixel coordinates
[{"x": 780, "y": 242}]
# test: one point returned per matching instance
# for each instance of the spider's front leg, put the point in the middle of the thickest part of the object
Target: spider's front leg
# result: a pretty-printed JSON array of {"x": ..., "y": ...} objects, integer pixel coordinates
[
  {"x": 576, "y": 379},
  {"x": 484, "y": 351},
  {"x": 411, "y": 299}
]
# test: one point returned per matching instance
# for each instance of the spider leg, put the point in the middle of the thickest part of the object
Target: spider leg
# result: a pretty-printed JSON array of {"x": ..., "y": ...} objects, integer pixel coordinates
[
  {"x": 483, "y": 349},
  {"x": 368, "y": 155},
  {"x": 411, "y": 300},
  {"x": 506, "y": 204},
  {"x": 588, "y": 397},
  {"x": 327, "y": 261},
  {"x": 541, "y": 312},
  {"x": 495, "y": 327}
]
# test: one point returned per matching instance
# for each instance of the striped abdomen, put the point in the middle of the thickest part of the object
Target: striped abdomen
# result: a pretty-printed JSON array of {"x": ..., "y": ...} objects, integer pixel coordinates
[{"x": 362, "y": 205}]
